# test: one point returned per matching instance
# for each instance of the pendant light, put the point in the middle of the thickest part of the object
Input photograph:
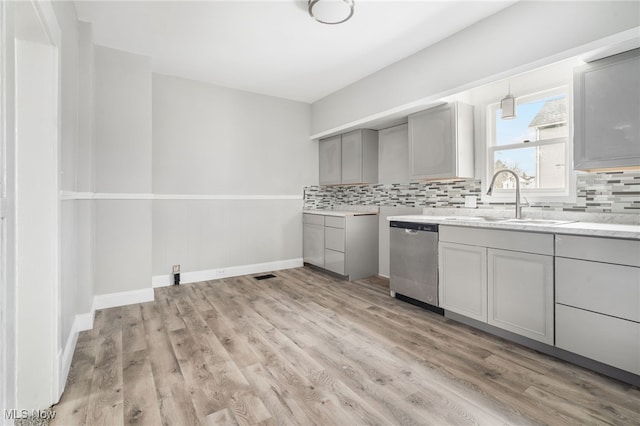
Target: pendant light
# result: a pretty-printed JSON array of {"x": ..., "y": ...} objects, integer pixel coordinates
[
  {"x": 508, "y": 106},
  {"x": 331, "y": 11}
]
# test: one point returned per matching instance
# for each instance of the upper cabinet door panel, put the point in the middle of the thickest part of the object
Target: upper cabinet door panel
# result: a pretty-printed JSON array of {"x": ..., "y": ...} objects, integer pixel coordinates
[
  {"x": 330, "y": 161},
  {"x": 432, "y": 147},
  {"x": 352, "y": 157},
  {"x": 607, "y": 112},
  {"x": 441, "y": 142}
]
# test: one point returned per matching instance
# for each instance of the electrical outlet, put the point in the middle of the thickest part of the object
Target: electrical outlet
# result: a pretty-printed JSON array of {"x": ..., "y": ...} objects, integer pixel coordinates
[{"x": 176, "y": 269}]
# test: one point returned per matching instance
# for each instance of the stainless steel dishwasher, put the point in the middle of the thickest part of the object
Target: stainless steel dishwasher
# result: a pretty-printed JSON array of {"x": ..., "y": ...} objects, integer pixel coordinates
[{"x": 414, "y": 262}]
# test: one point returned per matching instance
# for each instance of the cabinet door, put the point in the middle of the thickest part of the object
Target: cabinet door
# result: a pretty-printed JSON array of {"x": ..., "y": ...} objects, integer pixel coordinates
[
  {"x": 463, "y": 279},
  {"x": 432, "y": 147},
  {"x": 352, "y": 157},
  {"x": 521, "y": 293},
  {"x": 607, "y": 107},
  {"x": 313, "y": 244},
  {"x": 330, "y": 152}
]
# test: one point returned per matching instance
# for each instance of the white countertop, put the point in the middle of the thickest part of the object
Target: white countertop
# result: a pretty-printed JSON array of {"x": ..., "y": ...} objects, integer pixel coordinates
[
  {"x": 341, "y": 213},
  {"x": 573, "y": 228}
]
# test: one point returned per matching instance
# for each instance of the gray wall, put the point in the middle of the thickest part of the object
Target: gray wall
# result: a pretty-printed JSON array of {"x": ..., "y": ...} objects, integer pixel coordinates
[
  {"x": 213, "y": 140},
  {"x": 209, "y": 142},
  {"x": 498, "y": 45},
  {"x": 122, "y": 158}
]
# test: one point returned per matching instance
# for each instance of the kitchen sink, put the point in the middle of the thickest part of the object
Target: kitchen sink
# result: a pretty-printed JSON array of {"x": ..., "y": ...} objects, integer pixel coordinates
[
  {"x": 526, "y": 221},
  {"x": 539, "y": 221},
  {"x": 476, "y": 219}
]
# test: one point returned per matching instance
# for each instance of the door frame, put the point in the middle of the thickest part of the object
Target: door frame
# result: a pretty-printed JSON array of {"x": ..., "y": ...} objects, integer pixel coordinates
[{"x": 46, "y": 32}]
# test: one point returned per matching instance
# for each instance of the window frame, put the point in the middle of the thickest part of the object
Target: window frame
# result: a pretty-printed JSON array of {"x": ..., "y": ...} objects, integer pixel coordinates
[{"x": 566, "y": 194}]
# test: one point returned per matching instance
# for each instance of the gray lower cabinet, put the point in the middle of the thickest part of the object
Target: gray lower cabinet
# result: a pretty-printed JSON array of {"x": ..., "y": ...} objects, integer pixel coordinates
[
  {"x": 598, "y": 299},
  {"x": 520, "y": 296},
  {"x": 606, "y": 111},
  {"x": 463, "y": 279},
  {"x": 313, "y": 239},
  {"x": 344, "y": 245},
  {"x": 503, "y": 278}
]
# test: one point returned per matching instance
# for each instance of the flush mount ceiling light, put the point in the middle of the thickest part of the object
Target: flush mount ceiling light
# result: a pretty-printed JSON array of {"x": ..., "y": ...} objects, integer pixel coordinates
[
  {"x": 331, "y": 11},
  {"x": 508, "y": 106}
]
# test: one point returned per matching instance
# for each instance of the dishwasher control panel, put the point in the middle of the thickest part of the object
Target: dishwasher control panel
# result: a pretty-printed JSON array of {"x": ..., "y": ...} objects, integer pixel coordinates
[{"x": 427, "y": 227}]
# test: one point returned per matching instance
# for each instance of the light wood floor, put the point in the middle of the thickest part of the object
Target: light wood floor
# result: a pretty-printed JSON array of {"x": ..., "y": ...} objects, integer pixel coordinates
[{"x": 304, "y": 348}]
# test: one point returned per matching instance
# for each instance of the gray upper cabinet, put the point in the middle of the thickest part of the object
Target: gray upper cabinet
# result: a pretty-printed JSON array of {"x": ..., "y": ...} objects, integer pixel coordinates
[
  {"x": 330, "y": 160},
  {"x": 350, "y": 158},
  {"x": 607, "y": 112},
  {"x": 441, "y": 142}
]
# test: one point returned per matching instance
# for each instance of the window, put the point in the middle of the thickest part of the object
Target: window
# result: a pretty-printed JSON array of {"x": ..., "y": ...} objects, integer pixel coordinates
[{"x": 534, "y": 145}]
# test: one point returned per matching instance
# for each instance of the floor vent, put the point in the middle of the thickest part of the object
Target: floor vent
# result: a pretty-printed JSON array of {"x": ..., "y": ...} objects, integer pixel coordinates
[{"x": 264, "y": 277}]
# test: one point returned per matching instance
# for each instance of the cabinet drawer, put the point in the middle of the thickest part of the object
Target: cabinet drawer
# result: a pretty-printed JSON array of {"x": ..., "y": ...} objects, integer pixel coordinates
[
  {"x": 600, "y": 287},
  {"x": 612, "y": 341},
  {"x": 334, "y": 261},
  {"x": 334, "y": 222},
  {"x": 528, "y": 242},
  {"x": 334, "y": 239},
  {"x": 313, "y": 219},
  {"x": 610, "y": 250}
]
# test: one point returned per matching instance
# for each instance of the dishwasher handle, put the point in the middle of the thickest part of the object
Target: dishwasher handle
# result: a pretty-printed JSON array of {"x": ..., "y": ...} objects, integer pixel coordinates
[{"x": 411, "y": 231}]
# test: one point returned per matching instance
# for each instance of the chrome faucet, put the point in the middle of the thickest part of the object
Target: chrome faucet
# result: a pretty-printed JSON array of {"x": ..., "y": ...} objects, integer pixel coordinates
[{"x": 493, "y": 180}]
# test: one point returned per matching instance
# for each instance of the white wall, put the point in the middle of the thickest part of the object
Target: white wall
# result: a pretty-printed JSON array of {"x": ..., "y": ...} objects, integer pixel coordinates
[
  {"x": 513, "y": 40},
  {"x": 69, "y": 67},
  {"x": 209, "y": 142},
  {"x": 85, "y": 171},
  {"x": 122, "y": 159},
  {"x": 37, "y": 268}
]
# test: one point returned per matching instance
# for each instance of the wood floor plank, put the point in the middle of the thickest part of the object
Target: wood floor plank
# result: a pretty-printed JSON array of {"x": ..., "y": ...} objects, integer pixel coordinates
[
  {"x": 307, "y": 348},
  {"x": 105, "y": 402},
  {"x": 140, "y": 400}
]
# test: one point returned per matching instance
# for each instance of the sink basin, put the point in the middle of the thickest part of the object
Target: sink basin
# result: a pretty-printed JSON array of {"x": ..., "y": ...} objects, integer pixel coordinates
[
  {"x": 548, "y": 222},
  {"x": 476, "y": 219},
  {"x": 526, "y": 221}
]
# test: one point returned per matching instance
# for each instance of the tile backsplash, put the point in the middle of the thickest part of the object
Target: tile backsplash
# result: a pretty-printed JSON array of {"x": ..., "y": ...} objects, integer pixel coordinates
[{"x": 610, "y": 192}]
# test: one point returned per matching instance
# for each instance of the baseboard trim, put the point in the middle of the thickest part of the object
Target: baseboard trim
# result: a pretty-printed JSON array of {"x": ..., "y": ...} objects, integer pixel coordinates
[
  {"x": 81, "y": 322},
  {"x": 84, "y": 321},
  {"x": 112, "y": 300},
  {"x": 233, "y": 271}
]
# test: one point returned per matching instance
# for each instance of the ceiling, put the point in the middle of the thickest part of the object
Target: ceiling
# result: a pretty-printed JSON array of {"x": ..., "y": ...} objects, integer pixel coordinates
[{"x": 275, "y": 47}]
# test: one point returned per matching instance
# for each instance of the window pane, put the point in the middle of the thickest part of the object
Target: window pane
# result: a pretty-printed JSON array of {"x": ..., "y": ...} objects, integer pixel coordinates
[
  {"x": 537, "y": 167},
  {"x": 539, "y": 120}
]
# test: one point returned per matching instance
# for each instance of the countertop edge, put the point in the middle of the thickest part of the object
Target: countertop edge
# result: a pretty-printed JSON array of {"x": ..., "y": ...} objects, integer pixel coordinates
[
  {"x": 340, "y": 213},
  {"x": 590, "y": 229}
]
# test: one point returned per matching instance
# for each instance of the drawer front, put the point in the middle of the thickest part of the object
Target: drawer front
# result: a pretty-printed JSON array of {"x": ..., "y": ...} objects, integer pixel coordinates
[
  {"x": 334, "y": 239},
  {"x": 334, "y": 222},
  {"x": 610, "y": 250},
  {"x": 528, "y": 242},
  {"x": 313, "y": 219},
  {"x": 334, "y": 261},
  {"x": 606, "y": 339},
  {"x": 600, "y": 287}
]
